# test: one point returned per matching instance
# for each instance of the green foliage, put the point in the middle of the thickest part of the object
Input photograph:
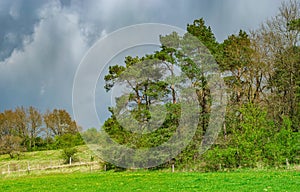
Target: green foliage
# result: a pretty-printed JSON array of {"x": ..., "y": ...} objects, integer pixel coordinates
[
  {"x": 254, "y": 133},
  {"x": 284, "y": 146},
  {"x": 255, "y": 143},
  {"x": 294, "y": 24},
  {"x": 68, "y": 140},
  {"x": 91, "y": 136},
  {"x": 262, "y": 118},
  {"x": 204, "y": 34},
  {"x": 286, "y": 83},
  {"x": 68, "y": 154},
  {"x": 155, "y": 138}
]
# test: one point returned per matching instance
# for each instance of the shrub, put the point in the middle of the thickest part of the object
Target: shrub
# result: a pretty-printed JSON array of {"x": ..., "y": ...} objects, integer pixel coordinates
[{"x": 69, "y": 154}]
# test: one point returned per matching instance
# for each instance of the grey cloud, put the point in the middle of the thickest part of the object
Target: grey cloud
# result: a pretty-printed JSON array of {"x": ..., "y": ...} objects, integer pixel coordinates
[
  {"x": 232, "y": 15},
  {"x": 42, "y": 72},
  {"x": 16, "y": 17}
]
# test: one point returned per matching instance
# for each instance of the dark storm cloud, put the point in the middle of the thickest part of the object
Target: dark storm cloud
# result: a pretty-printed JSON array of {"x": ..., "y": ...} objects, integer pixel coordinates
[
  {"x": 41, "y": 71},
  {"x": 17, "y": 19}
]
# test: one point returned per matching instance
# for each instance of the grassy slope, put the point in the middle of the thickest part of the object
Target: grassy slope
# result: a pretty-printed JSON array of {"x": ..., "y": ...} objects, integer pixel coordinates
[
  {"x": 157, "y": 181},
  {"x": 43, "y": 159},
  {"x": 54, "y": 155},
  {"x": 40, "y": 156}
]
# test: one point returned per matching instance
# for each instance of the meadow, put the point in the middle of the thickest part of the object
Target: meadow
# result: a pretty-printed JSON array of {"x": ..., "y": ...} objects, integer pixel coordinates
[
  {"x": 243, "y": 180},
  {"x": 82, "y": 178}
]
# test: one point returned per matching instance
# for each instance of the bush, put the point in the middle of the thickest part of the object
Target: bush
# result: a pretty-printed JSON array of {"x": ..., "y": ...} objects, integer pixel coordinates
[
  {"x": 69, "y": 153},
  {"x": 67, "y": 141}
]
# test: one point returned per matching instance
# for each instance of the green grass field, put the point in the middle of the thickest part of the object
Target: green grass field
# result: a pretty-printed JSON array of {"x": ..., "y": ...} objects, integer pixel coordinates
[
  {"x": 250, "y": 180},
  {"x": 83, "y": 179}
]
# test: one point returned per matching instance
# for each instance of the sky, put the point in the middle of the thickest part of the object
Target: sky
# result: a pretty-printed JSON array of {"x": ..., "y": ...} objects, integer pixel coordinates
[{"x": 43, "y": 41}]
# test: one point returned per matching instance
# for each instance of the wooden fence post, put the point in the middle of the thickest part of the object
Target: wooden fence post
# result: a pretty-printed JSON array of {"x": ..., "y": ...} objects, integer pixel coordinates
[{"x": 28, "y": 167}]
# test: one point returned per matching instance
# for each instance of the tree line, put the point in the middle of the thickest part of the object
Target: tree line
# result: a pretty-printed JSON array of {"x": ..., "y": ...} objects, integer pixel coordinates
[
  {"x": 261, "y": 70},
  {"x": 27, "y": 129}
]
